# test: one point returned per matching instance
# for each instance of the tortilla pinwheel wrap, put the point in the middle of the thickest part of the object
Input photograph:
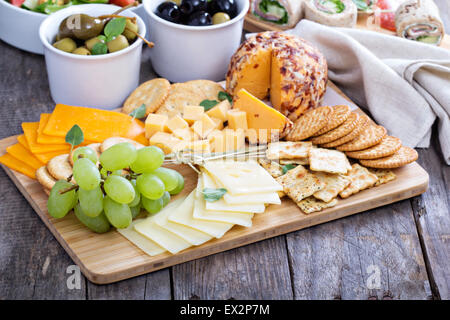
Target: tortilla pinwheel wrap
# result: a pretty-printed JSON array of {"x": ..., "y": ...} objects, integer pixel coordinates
[
  {"x": 335, "y": 13},
  {"x": 419, "y": 20},
  {"x": 282, "y": 13}
]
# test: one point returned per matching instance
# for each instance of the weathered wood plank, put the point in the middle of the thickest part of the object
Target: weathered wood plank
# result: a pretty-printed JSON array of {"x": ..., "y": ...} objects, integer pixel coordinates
[
  {"x": 256, "y": 271},
  {"x": 432, "y": 215},
  {"x": 342, "y": 260}
]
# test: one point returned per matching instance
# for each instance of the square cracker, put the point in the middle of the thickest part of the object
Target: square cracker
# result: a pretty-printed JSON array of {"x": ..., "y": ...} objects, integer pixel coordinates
[
  {"x": 361, "y": 179},
  {"x": 384, "y": 175},
  {"x": 272, "y": 167},
  {"x": 301, "y": 161},
  {"x": 311, "y": 204},
  {"x": 326, "y": 160},
  {"x": 335, "y": 183},
  {"x": 288, "y": 150},
  {"x": 299, "y": 183}
]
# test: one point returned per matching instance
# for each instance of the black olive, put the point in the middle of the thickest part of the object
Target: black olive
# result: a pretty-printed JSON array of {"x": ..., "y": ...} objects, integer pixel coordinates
[
  {"x": 199, "y": 18},
  {"x": 227, "y": 6},
  {"x": 169, "y": 11},
  {"x": 188, "y": 7}
]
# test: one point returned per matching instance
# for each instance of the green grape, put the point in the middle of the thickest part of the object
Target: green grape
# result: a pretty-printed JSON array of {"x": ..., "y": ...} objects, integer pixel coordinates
[
  {"x": 135, "y": 210},
  {"x": 180, "y": 185},
  {"x": 148, "y": 159},
  {"x": 91, "y": 201},
  {"x": 105, "y": 172},
  {"x": 118, "y": 156},
  {"x": 119, "y": 189},
  {"x": 85, "y": 152},
  {"x": 59, "y": 205},
  {"x": 86, "y": 174},
  {"x": 166, "y": 198},
  {"x": 150, "y": 186},
  {"x": 137, "y": 197},
  {"x": 99, "y": 224},
  {"x": 152, "y": 206},
  {"x": 168, "y": 176},
  {"x": 118, "y": 214}
]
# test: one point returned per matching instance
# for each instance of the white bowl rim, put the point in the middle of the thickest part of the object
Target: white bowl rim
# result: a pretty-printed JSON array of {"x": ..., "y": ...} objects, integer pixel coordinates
[
  {"x": 91, "y": 57},
  {"x": 40, "y": 14},
  {"x": 196, "y": 28}
]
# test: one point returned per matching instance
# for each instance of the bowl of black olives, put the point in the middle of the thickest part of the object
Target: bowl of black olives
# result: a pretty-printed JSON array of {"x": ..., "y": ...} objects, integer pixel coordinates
[
  {"x": 92, "y": 54},
  {"x": 196, "y": 38}
]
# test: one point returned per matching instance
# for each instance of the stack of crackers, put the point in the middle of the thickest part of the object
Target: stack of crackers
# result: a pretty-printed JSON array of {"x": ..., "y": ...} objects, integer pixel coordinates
[{"x": 329, "y": 175}]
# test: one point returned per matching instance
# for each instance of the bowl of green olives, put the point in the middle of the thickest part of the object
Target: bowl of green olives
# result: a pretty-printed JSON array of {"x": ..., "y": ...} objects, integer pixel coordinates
[
  {"x": 196, "y": 38},
  {"x": 92, "y": 54}
]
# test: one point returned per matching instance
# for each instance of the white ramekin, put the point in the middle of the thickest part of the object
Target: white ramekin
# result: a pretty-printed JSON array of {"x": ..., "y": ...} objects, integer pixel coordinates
[
  {"x": 20, "y": 27},
  {"x": 183, "y": 53},
  {"x": 102, "y": 81}
]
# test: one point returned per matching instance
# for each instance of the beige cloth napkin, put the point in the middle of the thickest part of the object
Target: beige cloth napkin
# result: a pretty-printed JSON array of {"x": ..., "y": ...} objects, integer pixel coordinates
[{"x": 405, "y": 85}]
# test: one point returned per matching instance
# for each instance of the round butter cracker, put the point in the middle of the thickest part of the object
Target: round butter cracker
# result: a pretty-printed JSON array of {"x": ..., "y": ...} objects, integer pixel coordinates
[
  {"x": 402, "y": 157},
  {"x": 44, "y": 178},
  {"x": 342, "y": 130},
  {"x": 388, "y": 146},
  {"x": 338, "y": 116},
  {"x": 370, "y": 136},
  {"x": 59, "y": 167},
  {"x": 309, "y": 123},
  {"x": 360, "y": 126},
  {"x": 152, "y": 93}
]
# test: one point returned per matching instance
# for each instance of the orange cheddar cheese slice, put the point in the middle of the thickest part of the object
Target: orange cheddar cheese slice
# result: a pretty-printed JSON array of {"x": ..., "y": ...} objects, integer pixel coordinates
[
  {"x": 97, "y": 125},
  {"x": 30, "y": 132},
  {"x": 47, "y": 156},
  {"x": 262, "y": 118},
  {"x": 42, "y": 138},
  {"x": 22, "y": 154},
  {"x": 18, "y": 165},
  {"x": 23, "y": 141}
]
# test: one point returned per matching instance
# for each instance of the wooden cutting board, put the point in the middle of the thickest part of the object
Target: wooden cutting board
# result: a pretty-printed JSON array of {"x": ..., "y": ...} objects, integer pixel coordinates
[
  {"x": 109, "y": 257},
  {"x": 365, "y": 22}
]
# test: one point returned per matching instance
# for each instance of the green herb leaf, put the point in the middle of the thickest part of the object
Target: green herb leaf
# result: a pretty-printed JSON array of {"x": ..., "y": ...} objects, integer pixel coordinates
[
  {"x": 102, "y": 38},
  {"x": 99, "y": 48},
  {"x": 362, "y": 5},
  {"x": 139, "y": 112},
  {"x": 115, "y": 27},
  {"x": 288, "y": 167},
  {"x": 208, "y": 104},
  {"x": 75, "y": 136},
  {"x": 224, "y": 95},
  {"x": 212, "y": 195}
]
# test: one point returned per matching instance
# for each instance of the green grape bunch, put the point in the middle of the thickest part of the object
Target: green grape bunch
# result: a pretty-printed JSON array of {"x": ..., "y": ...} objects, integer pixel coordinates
[{"x": 113, "y": 189}]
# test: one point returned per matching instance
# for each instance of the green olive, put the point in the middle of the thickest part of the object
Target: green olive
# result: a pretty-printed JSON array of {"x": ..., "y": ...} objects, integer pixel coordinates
[
  {"x": 86, "y": 27},
  {"x": 82, "y": 51},
  {"x": 64, "y": 30},
  {"x": 65, "y": 44},
  {"x": 119, "y": 43},
  {"x": 129, "y": 34},
  {"x": 220, "y": 17},
  {"x": 91, "y": 42}
]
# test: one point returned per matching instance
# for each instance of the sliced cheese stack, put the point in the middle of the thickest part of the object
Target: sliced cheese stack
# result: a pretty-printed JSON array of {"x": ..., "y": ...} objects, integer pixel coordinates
[{"x": 192, "y": 221}]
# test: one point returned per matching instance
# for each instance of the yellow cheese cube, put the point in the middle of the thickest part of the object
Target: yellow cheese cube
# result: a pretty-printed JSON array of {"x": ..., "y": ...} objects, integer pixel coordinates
[
  {"x": 213, "y": 134},
  {"x": 219, "y": 111},
  {"x": 166, "y": 141},
  {"x": 184, "y": 134},
  {"x": 234, "y": 139},
  {"x": 193, "y": 113},
  {"x": 199, "y": 146},
  {"x": 237, "y": 119},
  {"x": 218, "y": 142},
  {"x": 177, "y": 122},
  {"x": 155, "y": 123},
  {"x": 204, "y": 126},
  {"x": 218, "y": 122}
]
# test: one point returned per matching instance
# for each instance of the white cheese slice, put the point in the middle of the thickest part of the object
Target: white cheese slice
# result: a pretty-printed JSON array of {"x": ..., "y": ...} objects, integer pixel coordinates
[
  {"x": 221, "y": 205},
  {"x": 146, "y": 245},
  {"x": 242, "y": 177},
  {"x": 166, "y": 239},
  {"x": 233, "y": 199},
  {"x": 213, "y": 228},
  {"x": 191, "y": 235}
]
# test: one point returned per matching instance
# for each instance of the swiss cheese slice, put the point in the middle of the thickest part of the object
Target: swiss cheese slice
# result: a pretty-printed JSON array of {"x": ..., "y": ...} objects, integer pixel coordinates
[
  {"x": 189, "y": 234},
  {"x": 148, "y": 246},
  {"x": 221, "y": 205},
  {"x": 213, "y": 228},
  {"x": 22, "y": 154},
  {"x": 30, "y": 130},
  {"x": 242, "y": 177},
  {"x": 97, "y": 125},
  {"x": 267, "y": 123}
]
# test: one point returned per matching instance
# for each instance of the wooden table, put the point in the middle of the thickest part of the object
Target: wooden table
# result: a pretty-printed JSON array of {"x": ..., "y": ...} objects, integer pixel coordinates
[{"x": 406, "y": 243}]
